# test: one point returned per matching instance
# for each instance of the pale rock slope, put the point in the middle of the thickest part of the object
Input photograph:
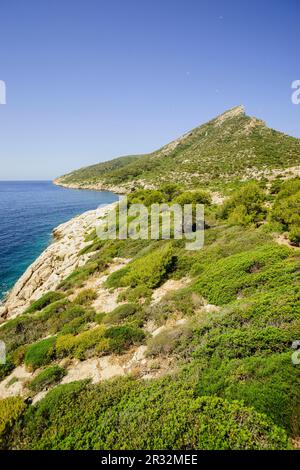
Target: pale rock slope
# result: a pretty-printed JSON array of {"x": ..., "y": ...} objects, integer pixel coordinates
[{"x": 54, "y": 264}]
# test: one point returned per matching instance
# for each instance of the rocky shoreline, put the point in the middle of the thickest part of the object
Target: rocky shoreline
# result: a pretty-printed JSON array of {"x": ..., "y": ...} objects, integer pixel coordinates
[{"x": 59, "y": 259}]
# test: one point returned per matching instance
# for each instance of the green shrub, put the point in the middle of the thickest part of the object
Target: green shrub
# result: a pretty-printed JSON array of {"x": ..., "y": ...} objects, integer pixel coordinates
[
  {"x": 26, "y": 329},
  {"x": 78, "y": 346},
  {"x": 78, "y": 277},
  {"x": 171, "y": 190},
  {"x": 294, "y": 235},
  {"x": 74, "y": 315},
  {"x": 126, "y": 414},
  {"x": 286, "y": 209},
  {"x": 270, "y": 384},
  {"x": 99, "y": 317},
  {"x": 40, "y": 354},
  {"x": 74, "y": 326},
  {"x": 116, "y": 279},
  {"x": 122, "y": 337},
  {"x": 185, "y": 423},
  {"x": 45, "y": 300},
  {"x": 48, "y": 377},
  {"x": 120, "y": 313},
  {"x": 193, "y": 197},
  {"x": 247, "y": 341},
  {"x": 151, "y": 269},
  {"x": 11, "y": 409},
  {"x": 228, "y": 277}
]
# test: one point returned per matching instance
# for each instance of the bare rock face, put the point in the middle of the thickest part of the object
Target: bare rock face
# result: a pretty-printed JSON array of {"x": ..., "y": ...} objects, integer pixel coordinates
[{"x": 54, "y": 264}]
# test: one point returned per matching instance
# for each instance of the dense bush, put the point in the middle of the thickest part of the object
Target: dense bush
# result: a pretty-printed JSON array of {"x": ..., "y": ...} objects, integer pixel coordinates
[
  {"x": 121, "y": 337},
  {"x": 121, "y": 313},
  {"x": 139, "y": 294},
  {"x": 193, "y": 197},
  {"x": 78, "y": 277},
  {"x": 229, "y": 277},
  {"x": 98, "y": 340},
  {"x": 124, "y": 414},
  {"x": 146, "y": 197},
  {"x": 270, "y": 384},
  {"x": 294, "y": 235},
  {"x": 78, "y": 346},
  {"x": 48, "y": 377},
  {"x": 86, "y": 296},
  {"x": 55, "y": 309},
  {"x": 56, "y": 317},
  {"x": 247, "y": 341}
]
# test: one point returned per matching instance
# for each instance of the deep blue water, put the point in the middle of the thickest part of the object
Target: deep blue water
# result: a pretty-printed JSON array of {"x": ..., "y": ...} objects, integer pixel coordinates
[{"x": 29, "y": 210}]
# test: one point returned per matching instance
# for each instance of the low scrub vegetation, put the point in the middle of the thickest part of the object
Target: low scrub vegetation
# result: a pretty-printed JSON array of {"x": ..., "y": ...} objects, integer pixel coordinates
[
  {"x": 11, "y": 409},
  {"x": 85, "y": 297},
  {"x": 127, "y": 414},
  {"x": 245, "y": 206},
  {"x": 45, "y": 300},
  {"x": 40, "y": 354}
]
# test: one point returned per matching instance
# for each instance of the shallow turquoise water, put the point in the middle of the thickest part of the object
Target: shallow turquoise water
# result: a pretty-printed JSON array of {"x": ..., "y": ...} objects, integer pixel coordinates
[{"x": 29, "y": 210}]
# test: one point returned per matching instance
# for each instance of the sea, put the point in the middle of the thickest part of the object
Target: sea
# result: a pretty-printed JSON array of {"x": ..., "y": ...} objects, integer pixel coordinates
[{"x": 29, "y": 211}]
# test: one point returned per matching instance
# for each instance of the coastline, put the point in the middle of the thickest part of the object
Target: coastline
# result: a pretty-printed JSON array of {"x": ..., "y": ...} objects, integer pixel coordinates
[{"x": 55, "y": 263}]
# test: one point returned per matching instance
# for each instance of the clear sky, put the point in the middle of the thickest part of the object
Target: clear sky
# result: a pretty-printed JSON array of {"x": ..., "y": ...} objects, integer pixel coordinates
[{"x": 88, "y": 80}]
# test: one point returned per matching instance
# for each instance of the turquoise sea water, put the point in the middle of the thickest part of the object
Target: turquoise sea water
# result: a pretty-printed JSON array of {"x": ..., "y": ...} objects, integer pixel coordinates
[{"x": 29, "y": 210}]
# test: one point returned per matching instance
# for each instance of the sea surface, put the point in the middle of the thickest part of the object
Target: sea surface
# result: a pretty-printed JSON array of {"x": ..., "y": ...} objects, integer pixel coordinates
[{"x": 29, "y": 210}]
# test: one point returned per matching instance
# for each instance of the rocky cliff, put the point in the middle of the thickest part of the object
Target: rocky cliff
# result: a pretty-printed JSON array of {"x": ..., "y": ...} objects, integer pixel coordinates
[{"x": 54, "y": 264}]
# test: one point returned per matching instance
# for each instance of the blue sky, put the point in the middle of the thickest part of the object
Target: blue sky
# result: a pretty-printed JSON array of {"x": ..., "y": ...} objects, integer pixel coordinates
[{"x": 88, "y": 80}]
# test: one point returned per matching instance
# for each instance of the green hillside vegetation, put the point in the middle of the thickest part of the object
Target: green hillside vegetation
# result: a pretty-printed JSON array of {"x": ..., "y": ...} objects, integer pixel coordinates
[
  {"x": 230, "y": 381},
  {"x": 214, "y": 154}
]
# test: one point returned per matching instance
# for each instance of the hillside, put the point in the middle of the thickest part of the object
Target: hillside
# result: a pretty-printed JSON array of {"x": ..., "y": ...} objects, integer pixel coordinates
[{"x": 231, "y": 147}]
